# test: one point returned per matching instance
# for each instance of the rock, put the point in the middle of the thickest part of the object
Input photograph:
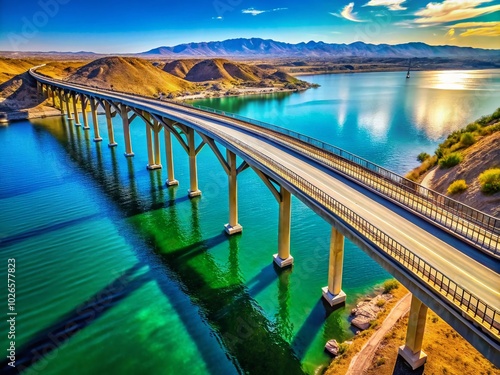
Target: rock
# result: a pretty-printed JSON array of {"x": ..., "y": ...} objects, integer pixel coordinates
[
  {"x": 332, "y": 347},
  {"x": 367, "y": 311}
]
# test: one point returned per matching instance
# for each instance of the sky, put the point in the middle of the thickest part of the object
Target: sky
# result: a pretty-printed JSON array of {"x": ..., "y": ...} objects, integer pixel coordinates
[{"x": 129, "y": 27}]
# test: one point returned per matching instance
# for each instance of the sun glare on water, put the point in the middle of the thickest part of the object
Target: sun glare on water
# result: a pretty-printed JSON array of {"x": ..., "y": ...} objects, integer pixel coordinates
[{"x": 453, "y": 80}]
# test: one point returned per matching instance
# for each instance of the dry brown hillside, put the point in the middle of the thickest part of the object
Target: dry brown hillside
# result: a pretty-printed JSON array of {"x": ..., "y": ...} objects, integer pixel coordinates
[
  {"x": 129, "y": 75},
  {"x": 482, "y": 155},
  {"x": 229, "y": 73},
  {"x": 9, "y": 68},
  {"x": 180, "y": 68}
]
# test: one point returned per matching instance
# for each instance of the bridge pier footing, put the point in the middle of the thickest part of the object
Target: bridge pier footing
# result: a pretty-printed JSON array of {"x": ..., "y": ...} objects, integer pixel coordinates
[
  {"x": 233, "y": 226},
  {"x": 193, "y": 169},
  {"x": 333, "y": 292},
  {"x": 412, "y": 351},
  {"x": 75, "y": 110},
  {"x": 283, "y": 257},
  {"x": 169, "y": 155}
]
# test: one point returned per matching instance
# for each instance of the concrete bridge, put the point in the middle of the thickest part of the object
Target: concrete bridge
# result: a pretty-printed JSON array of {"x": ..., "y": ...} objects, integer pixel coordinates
[{"x": 445, "y": 253}]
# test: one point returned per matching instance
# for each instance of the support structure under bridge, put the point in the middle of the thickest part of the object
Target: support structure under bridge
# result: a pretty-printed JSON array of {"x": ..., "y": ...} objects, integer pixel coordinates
[{"x": 445, "y": 253}]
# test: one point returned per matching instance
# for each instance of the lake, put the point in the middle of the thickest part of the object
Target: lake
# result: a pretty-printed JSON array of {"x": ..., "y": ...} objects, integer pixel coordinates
[{"x": 117, "y": 274}]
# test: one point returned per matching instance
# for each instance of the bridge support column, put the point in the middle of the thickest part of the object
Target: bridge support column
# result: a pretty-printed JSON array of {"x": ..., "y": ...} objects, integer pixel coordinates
[
  {"x": 53, "y": 96},
  {"x": 171, "y": 181},
  {"x": 109, "y": 124},
  {"x": 84, "y": 113},
  {"x": 333, "y": 292},
  {"x": 75, "y": 110},
  {"x": 151, "y": 152},
  {"x": 233, "y": 226},
  {"x": 126, "y": 132},
  {"x": 193, "y": 170},
  {"x": 68, "y": 109},
  {"x": 61, "y": 104},
  {"x": 412, "y": 350},
  {"x": 283, "y": 258},
  {"x": 93, "y": 109}
]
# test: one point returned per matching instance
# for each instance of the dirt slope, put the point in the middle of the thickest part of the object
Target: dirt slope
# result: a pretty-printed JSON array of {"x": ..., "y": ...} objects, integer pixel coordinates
[
  {"x": 483, "y": 155},
  {"x": 129, "y": 75}
]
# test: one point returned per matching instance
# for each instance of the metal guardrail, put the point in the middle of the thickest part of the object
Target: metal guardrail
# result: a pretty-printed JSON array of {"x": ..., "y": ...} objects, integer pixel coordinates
[
  {"x": 481, "y": 229},
  {"x": 463, "y": 300},
  {"x": 475, "y": 308}
]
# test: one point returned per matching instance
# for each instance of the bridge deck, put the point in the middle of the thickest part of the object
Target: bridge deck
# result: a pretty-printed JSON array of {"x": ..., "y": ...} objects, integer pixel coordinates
[{"x": 428, "y": 242}]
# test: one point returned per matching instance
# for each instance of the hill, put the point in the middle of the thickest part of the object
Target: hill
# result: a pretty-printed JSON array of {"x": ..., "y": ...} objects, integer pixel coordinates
[
  {"x": 231, "y": 73},
  {"x": 129, "y": 75},
  {"x": 256, "y": 47},
  {"x": 476, "y": 150}
]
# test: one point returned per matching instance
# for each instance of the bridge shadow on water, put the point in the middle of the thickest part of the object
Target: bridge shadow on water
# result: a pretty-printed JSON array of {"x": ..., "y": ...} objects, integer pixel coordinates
[{"x": 253, "y": 342}]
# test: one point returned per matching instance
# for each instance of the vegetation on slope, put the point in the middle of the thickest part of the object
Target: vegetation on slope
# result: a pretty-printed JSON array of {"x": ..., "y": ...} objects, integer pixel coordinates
[{"x": 457, "y": 141}]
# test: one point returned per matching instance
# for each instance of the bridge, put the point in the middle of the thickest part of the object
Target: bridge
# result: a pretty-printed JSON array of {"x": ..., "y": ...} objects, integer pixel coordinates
[{"x": 446, "y": 253}]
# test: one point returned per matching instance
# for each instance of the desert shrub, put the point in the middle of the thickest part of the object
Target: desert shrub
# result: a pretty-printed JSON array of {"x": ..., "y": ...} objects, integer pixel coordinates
[
  {"x": 472, "y": 127},
  {"x": 467, "y": 139},
  {"x": 423, "y": 156},
  {"x": 490, "y": 181},
  {"x": 380, "y": 361},
  {"x": 450, "y": 160},
  {"x": 343, "y": 348},
  {"x": 381, "y": 302},
  {"x": 457, "y": 186},
  {"x": 390, "y": 285}
]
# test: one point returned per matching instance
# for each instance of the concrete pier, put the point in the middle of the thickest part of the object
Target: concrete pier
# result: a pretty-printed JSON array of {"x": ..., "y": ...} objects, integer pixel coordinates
[
  {"x": 283, "y": 257},
  {"x": 193, "y": 170},
  {"x": 333, "y": 291},
  {"x": 233, "y": 226},
  {"x": 126, "y": 131},
  {"x": 109, "y": 125},
  {"x": 93, "y": 109},
  {"x": 412, "y": 351},
  {"x": 75, "y": 110},
  {"x": 171, "y": 181}
]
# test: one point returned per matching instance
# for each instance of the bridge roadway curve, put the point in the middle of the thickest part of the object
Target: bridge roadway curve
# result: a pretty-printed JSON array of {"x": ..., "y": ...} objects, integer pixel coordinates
[{"x": 481, "y": 278}]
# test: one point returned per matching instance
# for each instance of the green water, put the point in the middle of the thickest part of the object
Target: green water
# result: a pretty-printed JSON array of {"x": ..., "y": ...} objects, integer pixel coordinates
[{"x": 117, "y": 274}]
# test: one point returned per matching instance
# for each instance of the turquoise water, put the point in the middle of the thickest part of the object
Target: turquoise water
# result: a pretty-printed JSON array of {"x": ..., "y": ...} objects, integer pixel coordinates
[{"x": 117, "y": 274}]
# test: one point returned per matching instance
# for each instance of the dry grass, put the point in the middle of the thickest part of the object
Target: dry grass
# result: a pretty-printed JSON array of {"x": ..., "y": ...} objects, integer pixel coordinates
[
  {"x": 61, "y": 69},
  {"x": 9, "y": 68},
  {"x": 447, "y": 352},
  {"x": 340, "y": 364}
]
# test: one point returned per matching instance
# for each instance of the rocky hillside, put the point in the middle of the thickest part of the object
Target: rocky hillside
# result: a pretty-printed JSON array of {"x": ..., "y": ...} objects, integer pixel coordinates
[
  {"x": 129, "y": 75},
  {"x": 477, "y": 148}
]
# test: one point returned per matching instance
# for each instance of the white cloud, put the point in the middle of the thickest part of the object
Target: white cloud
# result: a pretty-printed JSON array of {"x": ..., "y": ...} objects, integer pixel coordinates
[
  {"x": 391, "y": 4},
  {"x": 256, "y": 12},
  {"x": 477, "y": 28},
  {"x": 453, "y": 10},
  {"x": 218, "y": 18},
  {"x": 347, "y": 13}
]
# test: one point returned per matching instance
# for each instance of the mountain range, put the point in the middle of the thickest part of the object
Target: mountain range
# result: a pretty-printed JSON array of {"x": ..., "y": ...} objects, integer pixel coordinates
[{"x": 256, "y": 47}]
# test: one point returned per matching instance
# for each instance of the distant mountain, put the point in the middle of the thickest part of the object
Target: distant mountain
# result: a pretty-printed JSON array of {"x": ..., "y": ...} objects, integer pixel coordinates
[{"x": 256, "y": 47}]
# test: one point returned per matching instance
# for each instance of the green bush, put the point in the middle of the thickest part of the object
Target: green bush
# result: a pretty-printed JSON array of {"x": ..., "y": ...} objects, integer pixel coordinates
[
  {"x": 343, "y": 348},
  {"x": 457, "y": 186},
  {"x": 490, "y": 181},
  {"x": 472, "y": 127},
  {"x": 423, "y": 156},
  {"x": 467, "y": 139},
  {"x": 380, "y": 302},
  {"x": 390, "y": 285},
  {"x": 450, "y": 160}
]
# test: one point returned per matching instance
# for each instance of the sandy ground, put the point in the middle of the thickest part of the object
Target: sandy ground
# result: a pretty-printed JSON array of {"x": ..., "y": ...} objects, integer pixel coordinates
[{"x": 362, "y": 360}]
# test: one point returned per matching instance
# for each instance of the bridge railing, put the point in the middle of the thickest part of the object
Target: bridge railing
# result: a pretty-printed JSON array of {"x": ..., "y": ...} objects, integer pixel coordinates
[
  {"x": 459, "y": 297},
  {"x": 479, "y": 228}
]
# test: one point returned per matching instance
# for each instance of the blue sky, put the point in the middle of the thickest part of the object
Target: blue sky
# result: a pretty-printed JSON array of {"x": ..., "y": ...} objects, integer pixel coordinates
[{"x": 120, "y": 27}]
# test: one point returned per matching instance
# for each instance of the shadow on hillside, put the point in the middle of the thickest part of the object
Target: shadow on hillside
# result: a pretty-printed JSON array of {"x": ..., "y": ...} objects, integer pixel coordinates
[{"x": 20, "y": 93}]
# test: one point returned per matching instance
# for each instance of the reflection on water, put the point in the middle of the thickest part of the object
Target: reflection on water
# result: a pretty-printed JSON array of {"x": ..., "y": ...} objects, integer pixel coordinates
[{"x": 381, "y": 116}]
